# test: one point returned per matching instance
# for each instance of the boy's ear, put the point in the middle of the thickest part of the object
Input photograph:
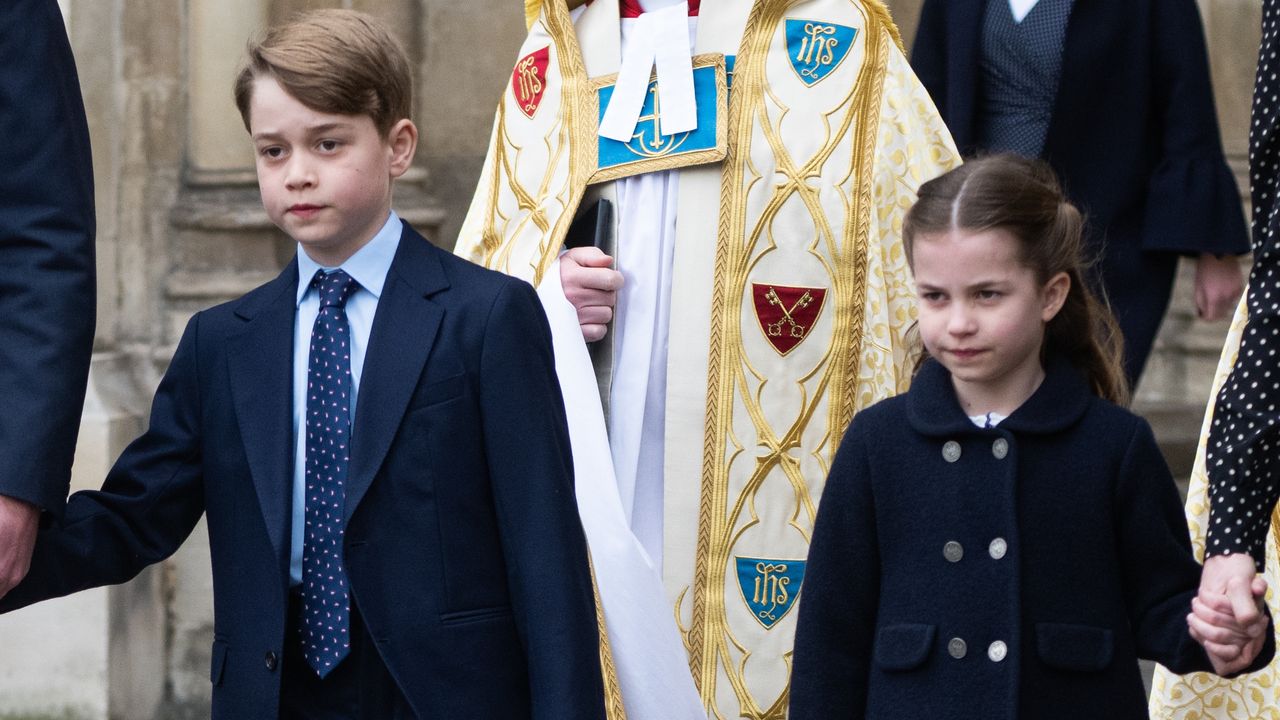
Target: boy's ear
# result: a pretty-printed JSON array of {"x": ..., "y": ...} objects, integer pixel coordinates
[
  {"x": 402, "y": 143},
  {"x": 1055, "y": 295}
]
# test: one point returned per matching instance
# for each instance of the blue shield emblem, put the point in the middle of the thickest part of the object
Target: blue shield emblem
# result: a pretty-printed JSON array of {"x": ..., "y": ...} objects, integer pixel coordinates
[
  {"x": 817, "y": 48},
  {"x": 769, "y": 587}
]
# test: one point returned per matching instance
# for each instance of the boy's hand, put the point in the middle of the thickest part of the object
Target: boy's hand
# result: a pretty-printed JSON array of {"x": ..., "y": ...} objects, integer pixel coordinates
[
  {"x": 1227, "y": 618},
  {"x": 591, "y": 284},
  {"x": 19, "y": 521}
]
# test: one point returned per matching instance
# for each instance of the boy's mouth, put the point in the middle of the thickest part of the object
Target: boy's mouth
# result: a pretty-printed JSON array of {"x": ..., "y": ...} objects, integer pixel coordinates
[{"x": 305, "y": 209}]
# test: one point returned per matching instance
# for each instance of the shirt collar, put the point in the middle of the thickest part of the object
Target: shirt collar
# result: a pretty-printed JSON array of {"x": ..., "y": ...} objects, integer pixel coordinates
[{"x": 368, "y": 266}]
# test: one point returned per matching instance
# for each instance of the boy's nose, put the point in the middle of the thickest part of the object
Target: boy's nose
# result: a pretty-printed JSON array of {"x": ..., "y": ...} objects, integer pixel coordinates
[{"x": 299, "y": 175}]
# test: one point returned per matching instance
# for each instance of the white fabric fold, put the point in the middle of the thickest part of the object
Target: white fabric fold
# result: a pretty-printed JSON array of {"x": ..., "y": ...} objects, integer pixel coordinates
[
  {"x": 652, "y": 667},
  {"x": 658, "y": 38}
]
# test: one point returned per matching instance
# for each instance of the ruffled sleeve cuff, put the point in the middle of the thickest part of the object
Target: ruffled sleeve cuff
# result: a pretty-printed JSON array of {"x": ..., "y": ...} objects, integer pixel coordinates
[{"x": 1194, "y": 207}]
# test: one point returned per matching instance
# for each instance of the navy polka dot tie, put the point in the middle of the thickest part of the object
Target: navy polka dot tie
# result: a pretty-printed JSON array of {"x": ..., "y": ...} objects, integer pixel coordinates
[{"x": 326, "y": 611}]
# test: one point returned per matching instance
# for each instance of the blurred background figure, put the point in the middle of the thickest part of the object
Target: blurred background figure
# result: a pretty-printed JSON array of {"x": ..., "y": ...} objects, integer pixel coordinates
[{"x": 1116, "y": 97}]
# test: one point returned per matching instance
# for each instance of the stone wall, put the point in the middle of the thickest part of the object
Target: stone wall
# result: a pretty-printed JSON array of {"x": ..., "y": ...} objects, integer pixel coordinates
[{"x": 180, "y": 229}]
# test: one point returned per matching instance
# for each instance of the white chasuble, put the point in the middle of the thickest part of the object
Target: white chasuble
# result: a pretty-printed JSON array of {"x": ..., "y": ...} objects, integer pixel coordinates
[{"x": 776, "y": 225}]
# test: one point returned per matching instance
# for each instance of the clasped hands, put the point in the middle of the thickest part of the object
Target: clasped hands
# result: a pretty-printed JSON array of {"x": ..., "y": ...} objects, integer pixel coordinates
[{"x": 1226, "y": 616}]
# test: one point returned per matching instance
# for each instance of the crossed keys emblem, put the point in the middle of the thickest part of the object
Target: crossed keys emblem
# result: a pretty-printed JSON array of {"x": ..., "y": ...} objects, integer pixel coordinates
[
  {"x": 786, "y": 313},
  {"x": 797, "y": 330}
]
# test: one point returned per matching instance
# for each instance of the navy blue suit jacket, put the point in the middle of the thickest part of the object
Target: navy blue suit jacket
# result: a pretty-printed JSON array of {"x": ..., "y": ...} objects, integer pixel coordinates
[
  {"x": 1059, "y": 533},
  {"x": 46, "y": 253},
  {"x": 1134, "y": 134},
  {"x": 463, "y": 545}
]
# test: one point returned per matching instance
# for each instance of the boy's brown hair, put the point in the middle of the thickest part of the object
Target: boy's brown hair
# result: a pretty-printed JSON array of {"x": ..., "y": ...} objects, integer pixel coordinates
[{"x": 333, "y": 61}]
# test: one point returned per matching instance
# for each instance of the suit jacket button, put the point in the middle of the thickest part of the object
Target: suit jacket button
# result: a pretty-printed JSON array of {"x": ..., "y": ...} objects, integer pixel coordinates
[
  {"x": 951, "y": 451},
  {"x": 998, "y": 548},
  {"x": 957, "y": 648},
  {"x": 953, "y": 551},
  {"x": 1000, "y": 448},
  {"x": 997, "y": 651},
  {"x": 271, "y": 660}
]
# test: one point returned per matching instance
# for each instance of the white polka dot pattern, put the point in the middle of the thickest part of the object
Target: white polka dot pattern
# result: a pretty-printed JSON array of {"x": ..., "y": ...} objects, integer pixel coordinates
[
  {"x": 1243, "y": 453},
  {"x": 325, "y": 602}
]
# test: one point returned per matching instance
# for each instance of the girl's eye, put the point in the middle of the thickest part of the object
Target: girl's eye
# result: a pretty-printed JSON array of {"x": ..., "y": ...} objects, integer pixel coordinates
[
  {"x": 931, "y": 297},
  {"x": 988, "y": 294}
]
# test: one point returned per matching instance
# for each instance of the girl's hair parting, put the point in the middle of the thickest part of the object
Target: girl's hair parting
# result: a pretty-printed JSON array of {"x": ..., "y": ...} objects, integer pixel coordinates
[{"x": 1022, "y": 197}]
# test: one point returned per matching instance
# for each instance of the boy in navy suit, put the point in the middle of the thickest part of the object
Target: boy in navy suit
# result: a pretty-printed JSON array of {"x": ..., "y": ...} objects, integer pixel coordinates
[{"x": 376, "y": 436}]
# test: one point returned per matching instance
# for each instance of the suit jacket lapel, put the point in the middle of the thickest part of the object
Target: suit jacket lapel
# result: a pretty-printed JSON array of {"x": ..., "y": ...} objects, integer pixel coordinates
[
  {"x": 403, "y": 333},
  {"x": 261, "y": 369}
]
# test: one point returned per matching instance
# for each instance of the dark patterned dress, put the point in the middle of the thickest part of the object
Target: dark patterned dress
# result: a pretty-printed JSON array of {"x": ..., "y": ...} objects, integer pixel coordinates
[{"x": 1244, "y": 447}]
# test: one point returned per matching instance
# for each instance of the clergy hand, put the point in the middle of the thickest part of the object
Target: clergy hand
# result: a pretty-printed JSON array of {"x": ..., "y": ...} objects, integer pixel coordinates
[
  {"x": 1219, "y": 283},
  {"x": 19, "y": 521},
  {"x": 591, "y": 284},
  {"x": 1226, "y": 617}
]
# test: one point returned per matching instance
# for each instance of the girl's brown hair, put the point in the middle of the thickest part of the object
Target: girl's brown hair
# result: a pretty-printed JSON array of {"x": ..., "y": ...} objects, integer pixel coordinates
[{"x": 1022, "y": 197}]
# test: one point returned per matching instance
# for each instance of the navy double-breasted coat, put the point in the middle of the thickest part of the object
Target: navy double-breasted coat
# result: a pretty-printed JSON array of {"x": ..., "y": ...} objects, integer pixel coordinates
[{"x": 1011, "y": 572}]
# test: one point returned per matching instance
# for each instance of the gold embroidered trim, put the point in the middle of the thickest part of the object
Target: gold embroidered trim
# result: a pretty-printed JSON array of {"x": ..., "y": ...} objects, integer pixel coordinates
[{"x": 709, "y": 636}]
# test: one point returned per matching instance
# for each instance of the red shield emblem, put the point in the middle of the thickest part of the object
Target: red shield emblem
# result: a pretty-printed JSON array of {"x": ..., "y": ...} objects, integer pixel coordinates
[
  {"x": 786, "y": 314},
  {"x": 529, "y": 80}
]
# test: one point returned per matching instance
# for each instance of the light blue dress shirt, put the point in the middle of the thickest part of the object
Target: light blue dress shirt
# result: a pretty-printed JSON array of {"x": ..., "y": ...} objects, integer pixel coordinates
[{"x": 369, "y": 268}]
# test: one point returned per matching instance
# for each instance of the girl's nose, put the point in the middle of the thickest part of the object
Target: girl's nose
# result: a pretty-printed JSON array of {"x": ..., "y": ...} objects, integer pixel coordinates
[{"x": 960, "y": 321}]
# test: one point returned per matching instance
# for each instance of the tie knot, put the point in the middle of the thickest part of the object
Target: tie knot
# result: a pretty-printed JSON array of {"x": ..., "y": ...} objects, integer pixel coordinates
[{"x": 335, "y": 288}]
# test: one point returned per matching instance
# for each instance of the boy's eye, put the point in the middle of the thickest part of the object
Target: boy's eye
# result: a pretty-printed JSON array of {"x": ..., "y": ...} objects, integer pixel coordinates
[
  {"x": 272, "y": 151},
  {"x": 327, "y": 145}
]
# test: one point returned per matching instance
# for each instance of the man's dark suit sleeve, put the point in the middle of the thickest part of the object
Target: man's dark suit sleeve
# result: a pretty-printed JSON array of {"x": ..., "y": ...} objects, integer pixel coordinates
[
  {"x": 526, "y": 441},
  {"x": 151, "y": 500},
  {"x": 46, "y": 253},
  {"x": 929, "y": 51}
]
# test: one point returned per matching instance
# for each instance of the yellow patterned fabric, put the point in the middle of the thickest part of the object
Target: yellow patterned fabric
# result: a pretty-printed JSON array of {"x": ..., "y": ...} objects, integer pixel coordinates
[
  {"x": 1201, "y": 696},
  {"x": 791, "y": 298}
]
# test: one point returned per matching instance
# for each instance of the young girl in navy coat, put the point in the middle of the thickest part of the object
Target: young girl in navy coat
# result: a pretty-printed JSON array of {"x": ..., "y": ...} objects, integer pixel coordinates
[{"x": 1004, "y": 540}]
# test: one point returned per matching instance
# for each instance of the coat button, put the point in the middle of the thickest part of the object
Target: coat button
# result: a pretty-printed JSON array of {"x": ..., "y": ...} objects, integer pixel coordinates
[
  {"x": 997, "y": 651},
  {"x": 957, "y": 648},
  {"x": 953, "y": 551},
  {"x": 998, "y": 548},
  {"x": 951, "y": 451},
  {"x": 1000, "y": 448},
  {"x": 271, "y": 660}
]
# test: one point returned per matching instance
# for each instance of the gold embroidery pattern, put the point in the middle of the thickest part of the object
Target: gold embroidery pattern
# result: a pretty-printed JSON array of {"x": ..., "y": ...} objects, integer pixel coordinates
[
  {"x": 1201, "y": 696},
  {"x": 755, "y": 112},
  {"x": 520, "y": 230}
]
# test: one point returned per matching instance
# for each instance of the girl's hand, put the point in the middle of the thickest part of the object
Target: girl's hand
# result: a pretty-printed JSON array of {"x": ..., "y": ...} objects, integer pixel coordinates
[{"x": 1231, "y": 630}]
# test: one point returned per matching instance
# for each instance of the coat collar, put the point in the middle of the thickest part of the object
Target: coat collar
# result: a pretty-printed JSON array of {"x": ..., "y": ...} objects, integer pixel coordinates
[{"x": 1060, "y": 401}]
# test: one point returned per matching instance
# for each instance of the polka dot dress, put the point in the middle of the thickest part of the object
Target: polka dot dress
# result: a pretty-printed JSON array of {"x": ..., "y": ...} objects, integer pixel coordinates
[
  {"x": 325, "y": 603},
  {"x": 1244, "y": 445}
]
